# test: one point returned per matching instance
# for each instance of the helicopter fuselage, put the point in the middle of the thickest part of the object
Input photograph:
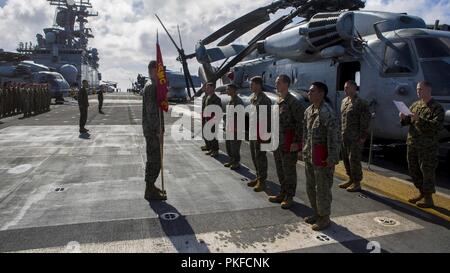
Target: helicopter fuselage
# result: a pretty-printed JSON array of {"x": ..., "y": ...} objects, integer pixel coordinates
[{"x": 383, "y": 74}]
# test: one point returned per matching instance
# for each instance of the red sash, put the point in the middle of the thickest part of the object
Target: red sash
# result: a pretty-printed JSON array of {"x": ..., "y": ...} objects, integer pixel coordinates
[
  {"x": 289, "y": 136},
  {"x": 320, "y": 155}
]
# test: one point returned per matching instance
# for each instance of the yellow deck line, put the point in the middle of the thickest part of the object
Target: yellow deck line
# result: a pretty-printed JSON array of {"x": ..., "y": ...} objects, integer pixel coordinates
[{"x": 397, "y": 191}]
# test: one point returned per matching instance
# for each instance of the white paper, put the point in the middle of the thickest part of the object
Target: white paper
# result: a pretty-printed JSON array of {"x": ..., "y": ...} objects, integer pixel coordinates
[{"x": 402, "y": 108}]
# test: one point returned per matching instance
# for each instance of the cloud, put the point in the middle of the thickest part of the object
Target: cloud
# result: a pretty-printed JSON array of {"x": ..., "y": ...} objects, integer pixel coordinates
[{"x": 125, "y": 30}]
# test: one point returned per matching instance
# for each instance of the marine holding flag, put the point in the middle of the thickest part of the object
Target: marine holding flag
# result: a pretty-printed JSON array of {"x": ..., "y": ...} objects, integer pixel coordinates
[{"x": 154, "y": 103}]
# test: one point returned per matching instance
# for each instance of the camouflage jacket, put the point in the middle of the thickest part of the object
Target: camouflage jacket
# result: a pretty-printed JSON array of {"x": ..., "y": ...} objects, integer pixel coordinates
[
  {"x": 320, "y": 127},
  {"x": 210, "y": 100},
  {"x": 235, "y": 101},
  {"x": 83, "y": 97},
  {"x": 355, "y": 118},
  {"x": 100, "y": 94},
  {"x": 151, "y": 112},
  {"x": 425, "y": 131},
  {"x": 291, "y": 121},
  {"x": 262, "y": 100}
]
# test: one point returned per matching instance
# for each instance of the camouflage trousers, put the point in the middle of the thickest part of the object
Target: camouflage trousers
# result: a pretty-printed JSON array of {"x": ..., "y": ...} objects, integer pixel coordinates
[
  {"x": 153, "y": 166},
  {"x": 259, "y": 159},
  {"x": 100, "y": 105},
  {"x": 286, "y": 164},
  {"x": 319, "y": 182},
  {"x": 83, "y": 117},
  {"x": 234, "y": 150},
  {"x": 211, "y": 145},
  {"x": 352, "y": 155},
  {"x": 422, "y": 164}
]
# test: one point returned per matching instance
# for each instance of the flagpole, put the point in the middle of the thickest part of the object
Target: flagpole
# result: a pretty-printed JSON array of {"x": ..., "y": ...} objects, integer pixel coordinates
[
  {"x": 161, "y": 144},
  {"x": 161, "y": 110}
]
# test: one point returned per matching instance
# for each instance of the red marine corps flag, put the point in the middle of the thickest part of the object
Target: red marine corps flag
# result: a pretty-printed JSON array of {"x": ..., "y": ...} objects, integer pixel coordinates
[{"x": 161, "y": 83}]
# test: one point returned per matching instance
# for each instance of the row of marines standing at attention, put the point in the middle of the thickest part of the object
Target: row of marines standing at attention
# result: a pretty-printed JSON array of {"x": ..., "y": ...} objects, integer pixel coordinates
[
  {"x": 26, "y": 99},
  {"x": 313, "y": 135}
]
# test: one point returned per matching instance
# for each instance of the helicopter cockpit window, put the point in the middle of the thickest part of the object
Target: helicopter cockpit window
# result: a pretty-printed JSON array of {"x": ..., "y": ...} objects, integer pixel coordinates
[
  {"x": 398, "y": 60},
  {"x": 437, "y": 72},
  {"x": 428, "y": 48}
]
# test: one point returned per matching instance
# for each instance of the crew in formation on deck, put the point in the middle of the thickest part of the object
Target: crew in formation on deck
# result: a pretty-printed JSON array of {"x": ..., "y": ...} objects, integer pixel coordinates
[
  {"x": 315, "y": 136},
  {"x": 26, "y": 99},
  {"x": 423, "y": 143}
]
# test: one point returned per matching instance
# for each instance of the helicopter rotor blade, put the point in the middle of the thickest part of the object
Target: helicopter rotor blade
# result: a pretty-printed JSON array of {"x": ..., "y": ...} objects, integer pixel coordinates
[
  {"x": 179, "y": 36},
  {"x": 182, "y": 58},
  {"x": 168, "y": 34},
  {"x": 249, "y": 21},
  {"x": 273, "y": 28},
  {"x": 259, "y": 15},
  {"x": 257, "y": 21}
]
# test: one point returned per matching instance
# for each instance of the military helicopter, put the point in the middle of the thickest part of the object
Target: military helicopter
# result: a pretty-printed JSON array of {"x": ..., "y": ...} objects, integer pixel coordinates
[
  {"x": 178, "y": 91},
  {"x": 335, "y": 41}
]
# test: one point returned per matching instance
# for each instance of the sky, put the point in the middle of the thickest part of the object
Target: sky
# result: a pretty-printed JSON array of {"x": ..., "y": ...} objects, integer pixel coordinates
[{"x": 125, "y": 30}]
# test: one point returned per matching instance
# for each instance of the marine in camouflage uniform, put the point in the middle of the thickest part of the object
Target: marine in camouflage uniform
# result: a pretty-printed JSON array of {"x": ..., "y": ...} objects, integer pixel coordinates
[
  {"x": 291, "y": 134},
  {"x": 151, "y": 125},
  {"x": 1, "y": 102},
  {"x": 234, "y": 145},
  {"x": 48, "y": 97},
  {"x": 12, "y": 100},
  {"x": 423, "y": 143},
  {"x": 83, "y": 105},
  {"x": 8, "y": 101},
  {"x": 100, "y": 100},
  {"x": 355, "y": 122},
  {"x": 321, "y": 145},
  {"x": 28, "y": 100},
  {"x": 210, "y": 98},
  {"x": 259, "y": 157}
]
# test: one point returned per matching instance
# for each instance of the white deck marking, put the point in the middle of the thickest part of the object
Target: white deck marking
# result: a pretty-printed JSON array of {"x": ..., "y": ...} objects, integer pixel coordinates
[
  {"x": 118, "y": 101},
  {"x": 20, "y": 169},
  {"x": 270, "y": 239}
]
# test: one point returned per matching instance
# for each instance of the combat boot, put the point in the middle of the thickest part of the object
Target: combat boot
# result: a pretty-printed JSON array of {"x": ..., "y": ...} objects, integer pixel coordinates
[
  {"x": 355, "y": 187},
  {"x": 204, "y": 148},
  {"x": 152, "y": 193},
  {"x": 214, "y": 154},
  {"x": 345, "y": 185},
  {"x": 227, "y": 165},
  {"x": 209, "y": 153},
  {"x": 260, "y": 187},
  {"x": 417, "y": 198},
  {"x": 427, "y": 202},
  {"x": 322, "y": 223},
  {"x": 253, "y": 183},
  {"x": 311, "y": 220},
  {"x": 287, "y": 203},
  {"x": 235, "y": 167},
  {"x": 276, "y": 199}
]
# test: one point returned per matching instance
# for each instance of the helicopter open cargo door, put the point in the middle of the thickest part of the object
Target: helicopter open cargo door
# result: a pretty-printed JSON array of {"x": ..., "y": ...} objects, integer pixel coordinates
[{"x": 346, "y": 72}]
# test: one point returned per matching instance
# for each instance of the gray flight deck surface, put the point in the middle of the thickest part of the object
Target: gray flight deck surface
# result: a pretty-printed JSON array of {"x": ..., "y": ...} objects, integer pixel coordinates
[{"x": 101, "y": 207}]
